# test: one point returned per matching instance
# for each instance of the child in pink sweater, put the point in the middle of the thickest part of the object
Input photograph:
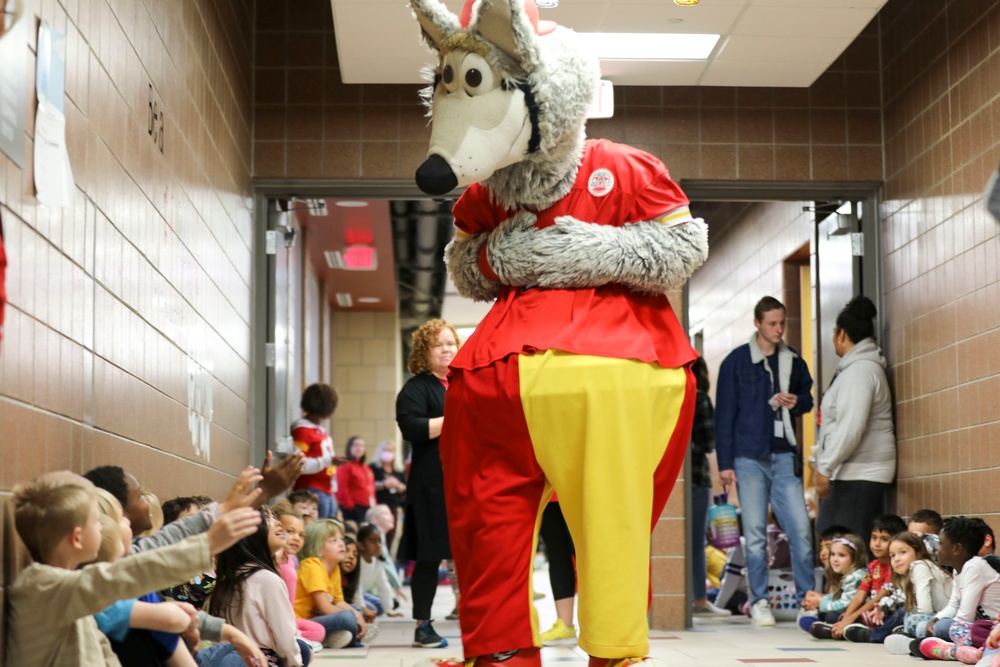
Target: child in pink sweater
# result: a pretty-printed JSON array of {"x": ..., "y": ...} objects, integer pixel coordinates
[{"x": 288, "y": 566}]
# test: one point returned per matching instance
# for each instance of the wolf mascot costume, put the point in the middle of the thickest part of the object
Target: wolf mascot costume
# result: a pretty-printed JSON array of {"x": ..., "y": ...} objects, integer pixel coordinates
[{"x": 577, "y": 380}]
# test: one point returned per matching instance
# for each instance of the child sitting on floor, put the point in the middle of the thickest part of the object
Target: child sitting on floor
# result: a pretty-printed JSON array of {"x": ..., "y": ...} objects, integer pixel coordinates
[
  {"x": 847, "y": 561},
  {"x": 288, "y": 568},
  {"x": 975, "y": 593},
  {"x": 925, "y": 585},
  {"x": 250, "y": 594},
  {"x": 318, "y": 594}
]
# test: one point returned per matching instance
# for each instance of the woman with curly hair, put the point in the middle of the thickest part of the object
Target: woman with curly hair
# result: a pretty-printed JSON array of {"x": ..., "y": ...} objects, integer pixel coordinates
[{"x": 420, "y": 416}]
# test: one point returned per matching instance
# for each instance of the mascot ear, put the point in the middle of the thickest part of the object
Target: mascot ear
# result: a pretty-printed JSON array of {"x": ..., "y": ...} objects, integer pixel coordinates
[
  {"x": 436, "y": 22},
  {"x": 510, "y": 26}
]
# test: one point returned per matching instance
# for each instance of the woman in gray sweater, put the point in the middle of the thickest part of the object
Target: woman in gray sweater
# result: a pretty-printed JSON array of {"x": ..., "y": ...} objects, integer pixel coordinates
[{"x": 855, "y": 455}]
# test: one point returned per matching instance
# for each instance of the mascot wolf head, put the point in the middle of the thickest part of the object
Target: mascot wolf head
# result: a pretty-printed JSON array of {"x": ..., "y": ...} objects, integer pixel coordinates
[{"x": 509, "y": 99}]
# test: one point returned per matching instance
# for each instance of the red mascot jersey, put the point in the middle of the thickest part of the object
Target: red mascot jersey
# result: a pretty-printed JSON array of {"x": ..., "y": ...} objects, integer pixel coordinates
[
  {"x": 313, "y": 441},
  {"x": 616, "y": 184}
]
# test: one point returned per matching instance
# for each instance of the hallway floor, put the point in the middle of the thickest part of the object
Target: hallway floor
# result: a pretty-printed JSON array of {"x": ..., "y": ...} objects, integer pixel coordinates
[{"x": 716, "y": 643}]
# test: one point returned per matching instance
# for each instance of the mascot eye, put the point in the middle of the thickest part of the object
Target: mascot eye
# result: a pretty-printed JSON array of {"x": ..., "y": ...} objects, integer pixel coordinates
[
  {"x": 448, "y": 75},
  {"x": 476, "y": 76}
]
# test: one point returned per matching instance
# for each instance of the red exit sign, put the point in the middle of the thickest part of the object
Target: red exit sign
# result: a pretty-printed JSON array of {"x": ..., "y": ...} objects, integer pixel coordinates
[{"x": 360, "y": 258}]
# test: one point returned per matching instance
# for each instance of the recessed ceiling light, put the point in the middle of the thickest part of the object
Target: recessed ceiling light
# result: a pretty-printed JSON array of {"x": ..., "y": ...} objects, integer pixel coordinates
[
  {"x": 344, "y": 299},
  {"x": 351, "y": 204},
  {"x": 369, "y": 299},
  {"x": 686, "y": 3},
  {"x": 547, "y": 4},
  {"x": 649, "y": 46}
]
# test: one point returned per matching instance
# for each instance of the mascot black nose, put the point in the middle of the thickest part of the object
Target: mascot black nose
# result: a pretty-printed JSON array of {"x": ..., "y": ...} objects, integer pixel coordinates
[{"x": 435, "y": 177}]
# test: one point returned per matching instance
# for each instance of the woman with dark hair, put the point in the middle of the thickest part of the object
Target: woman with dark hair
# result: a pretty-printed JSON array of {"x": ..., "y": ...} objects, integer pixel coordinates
[
  {"x": 702, "y": 444},
  {"x": 355, "y": 482},
  {"x": 420, "y": 416},
  {"x": 251, "y": 595},
  {"x": 855, "y": 452}
]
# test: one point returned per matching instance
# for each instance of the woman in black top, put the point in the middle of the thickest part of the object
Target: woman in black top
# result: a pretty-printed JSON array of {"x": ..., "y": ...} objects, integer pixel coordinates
[{"x": 420, "y": 416}]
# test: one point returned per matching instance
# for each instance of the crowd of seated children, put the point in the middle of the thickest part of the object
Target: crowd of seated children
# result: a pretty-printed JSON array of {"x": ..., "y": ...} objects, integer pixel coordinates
[
  {"x": 58, "y": 518},
  {"x": 875, "y": 595}
]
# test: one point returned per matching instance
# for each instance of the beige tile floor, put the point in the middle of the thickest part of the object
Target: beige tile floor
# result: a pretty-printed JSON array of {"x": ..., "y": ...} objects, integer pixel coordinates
[{"x": 709, "y": 644}]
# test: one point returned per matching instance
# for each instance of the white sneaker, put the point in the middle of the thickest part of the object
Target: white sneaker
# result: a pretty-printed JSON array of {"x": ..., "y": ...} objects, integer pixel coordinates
[
  {"x": 709, "y": 611},
  {"x": 898, "y": 644},
  {"x": 760, "y": 613},
  {"x": 338, "y": 639}
]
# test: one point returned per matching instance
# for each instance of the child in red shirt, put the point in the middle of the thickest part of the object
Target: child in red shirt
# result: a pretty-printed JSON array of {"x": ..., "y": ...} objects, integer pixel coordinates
[
  {"x": 318, "y": 474},
  {"x": 873, "y": 588}
]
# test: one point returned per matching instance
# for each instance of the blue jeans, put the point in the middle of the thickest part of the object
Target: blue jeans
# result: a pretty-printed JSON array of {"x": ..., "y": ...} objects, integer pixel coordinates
[
  {"x": 225, "y": 655},
  {"x": 374, "y": 602},
  {"x": 772, "y": 480},
  {"x": 701, "y": 496},
  {"x": 327, "y": 504},
  {"x": 339, "y": 620}
]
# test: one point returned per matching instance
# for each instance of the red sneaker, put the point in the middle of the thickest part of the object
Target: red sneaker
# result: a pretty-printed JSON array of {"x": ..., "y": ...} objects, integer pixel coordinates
[{"x": 525, "y": 657}]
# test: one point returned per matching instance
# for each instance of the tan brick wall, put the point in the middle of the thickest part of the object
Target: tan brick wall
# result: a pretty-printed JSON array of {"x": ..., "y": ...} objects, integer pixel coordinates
[
  {"x": 118, "y": 302},
  {"x": 941, "y": 251}
]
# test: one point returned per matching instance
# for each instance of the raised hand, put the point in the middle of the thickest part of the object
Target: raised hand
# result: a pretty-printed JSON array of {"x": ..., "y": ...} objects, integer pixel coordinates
[
  {"x": 279, "y": 478},
  {"x": 241, "y": 494},
  {"x": 232, "y": 527}
]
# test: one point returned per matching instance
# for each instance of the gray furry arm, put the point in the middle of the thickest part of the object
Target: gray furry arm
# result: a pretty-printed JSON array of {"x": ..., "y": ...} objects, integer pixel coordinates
[
  {"x": 649, "y": 256},
  {"x": 462, "y": 258},
  {"x": 509, "y": 250}
]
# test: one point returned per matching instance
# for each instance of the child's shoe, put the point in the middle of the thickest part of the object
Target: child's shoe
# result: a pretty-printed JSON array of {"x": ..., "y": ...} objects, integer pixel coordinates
[
  {"x": 559, "y": 635},
  {"x": 968, "y": 655},
  {"x": 760, "y": 613},
  {"x": 338, "y": 639},
  {"x": 821, "y": 630},
  {"x": 898, "y": 644},
  {"x": 372, "y": 633},
  {"x": 806, "y": 622},
  {"x": 857, "y": 633},
  {"x": 934, "y": 648}
]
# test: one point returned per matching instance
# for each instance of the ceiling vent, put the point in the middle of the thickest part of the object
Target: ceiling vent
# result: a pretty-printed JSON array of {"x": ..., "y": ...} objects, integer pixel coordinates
[{"x": 334, "y": 259}]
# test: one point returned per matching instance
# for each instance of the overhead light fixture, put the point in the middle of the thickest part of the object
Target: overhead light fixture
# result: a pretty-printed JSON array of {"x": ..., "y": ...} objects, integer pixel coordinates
[
  {"x": 344, "y": 299},
  {"x": 350, "y": 204},
  {"x": 369, "y": 299},
  {"x": 686, "y": 3},
  {"x": 649, "y": 45},
  {"x": 547, "y": 4}
]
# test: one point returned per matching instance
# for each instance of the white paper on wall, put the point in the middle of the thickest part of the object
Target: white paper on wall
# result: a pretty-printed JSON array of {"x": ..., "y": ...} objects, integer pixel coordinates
[{"x": 54, "y": 184}]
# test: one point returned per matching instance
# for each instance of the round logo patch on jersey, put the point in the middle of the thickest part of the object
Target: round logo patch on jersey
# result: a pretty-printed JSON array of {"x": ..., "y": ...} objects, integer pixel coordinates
[{"x": 601, "y": 182}]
